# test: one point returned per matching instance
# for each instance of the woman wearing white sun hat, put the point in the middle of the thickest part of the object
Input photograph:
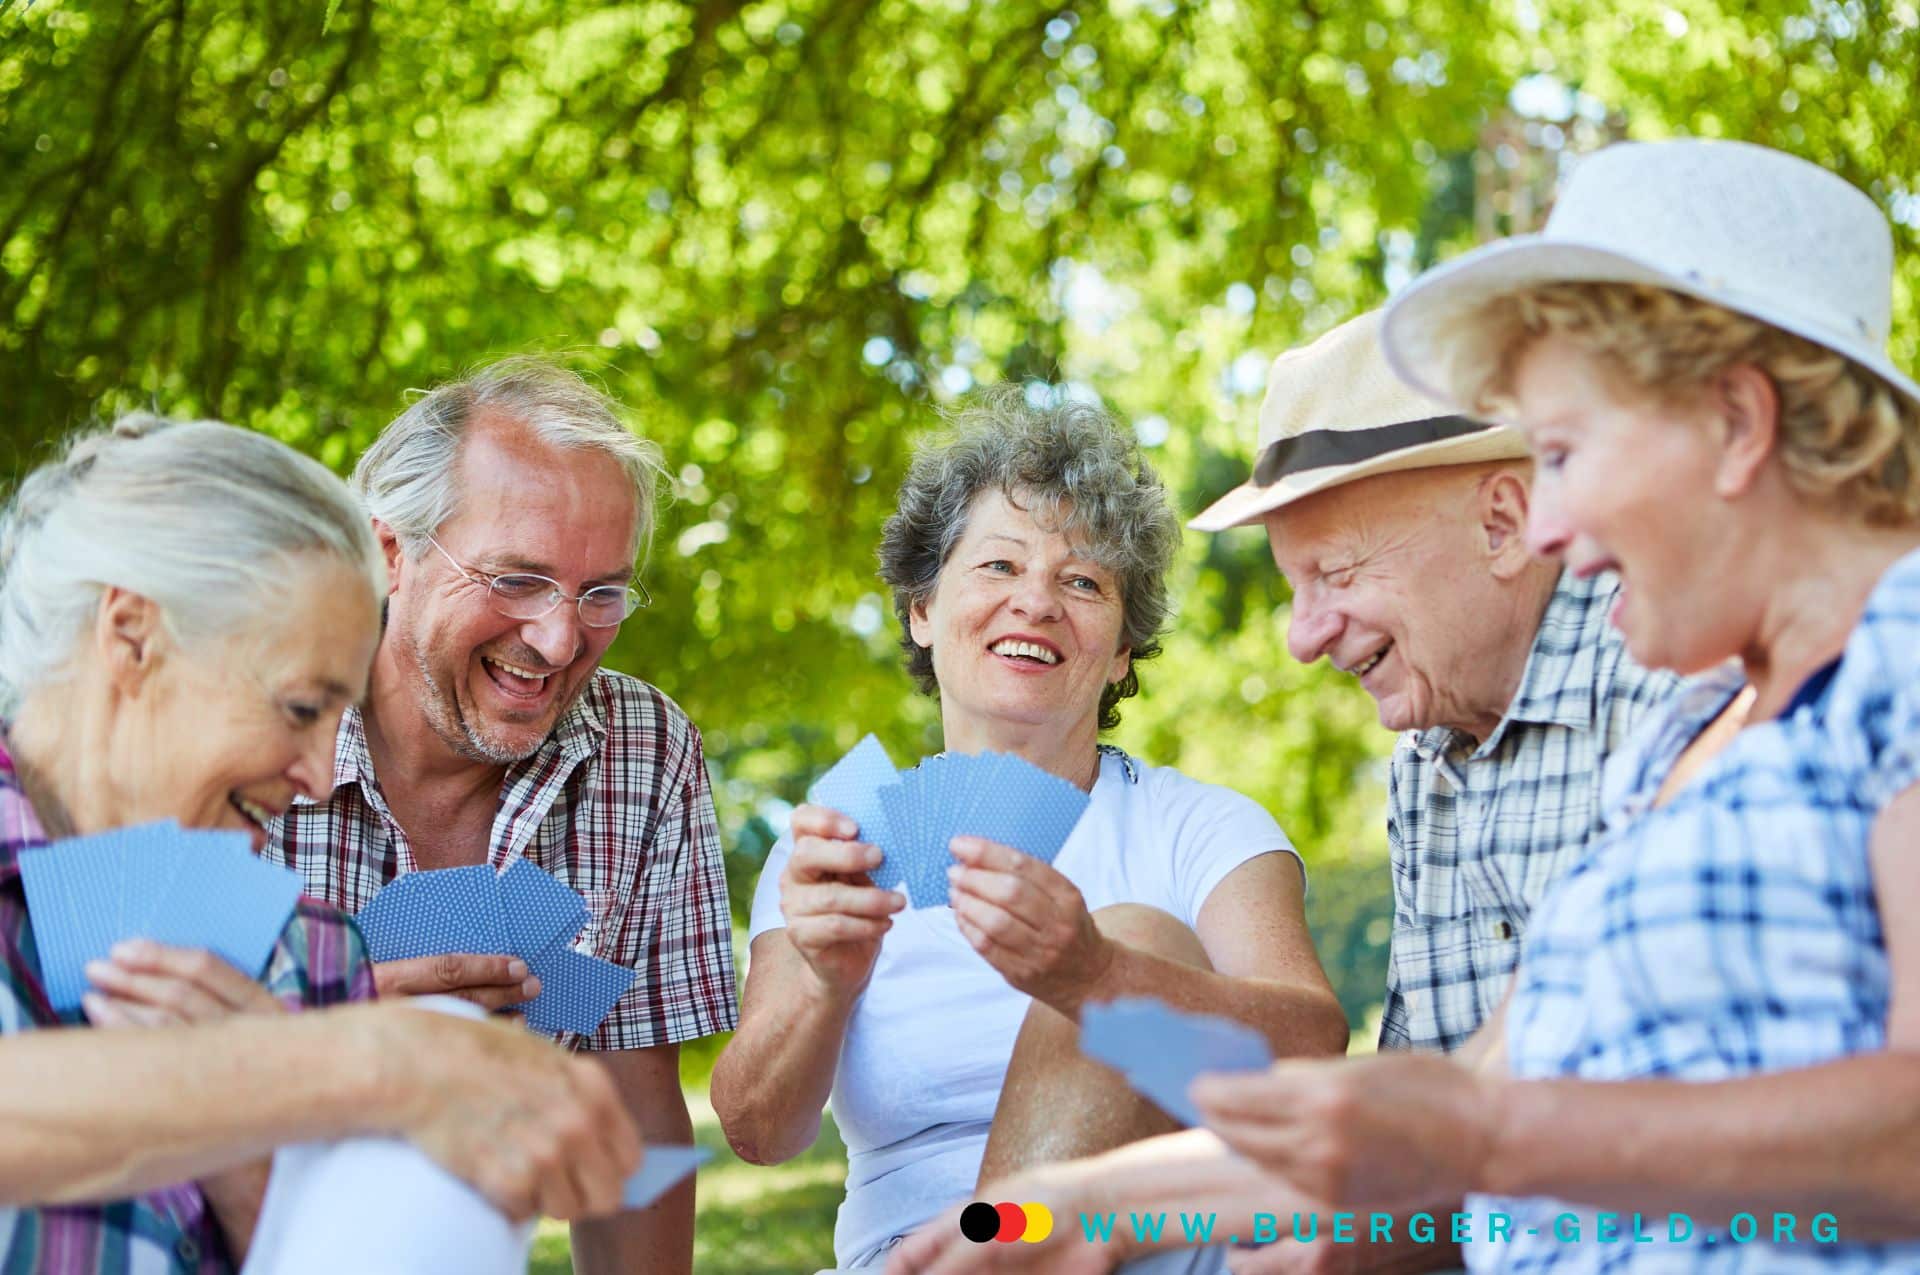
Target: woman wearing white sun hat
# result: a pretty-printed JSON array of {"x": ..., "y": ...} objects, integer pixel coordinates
[{"x": 1695, "y": 347}]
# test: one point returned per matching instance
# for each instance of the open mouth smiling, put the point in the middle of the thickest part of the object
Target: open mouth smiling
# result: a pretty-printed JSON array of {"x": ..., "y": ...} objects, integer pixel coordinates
[{"x": 1026, "y": 651}]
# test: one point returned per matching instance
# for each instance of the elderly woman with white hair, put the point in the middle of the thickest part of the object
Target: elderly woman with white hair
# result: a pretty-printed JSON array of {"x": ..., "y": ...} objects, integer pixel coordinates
[
  {"x": 185, "y": 611},
  {"x": 1027, "y": 561}
]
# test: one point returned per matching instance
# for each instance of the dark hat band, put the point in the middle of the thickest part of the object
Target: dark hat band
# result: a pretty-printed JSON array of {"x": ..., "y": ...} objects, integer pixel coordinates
[{"x": 1319, "y": 448}]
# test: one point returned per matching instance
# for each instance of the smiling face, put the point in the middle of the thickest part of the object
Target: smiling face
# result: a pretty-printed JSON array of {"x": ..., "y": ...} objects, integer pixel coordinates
[
  {"x": 224, "y": 736},
  {"x": 1400, "y": 579},
  {"x": 1024, "y": 627},
  {"x": 492, "y": 687},
  {"x": 1627, "y": 483}
]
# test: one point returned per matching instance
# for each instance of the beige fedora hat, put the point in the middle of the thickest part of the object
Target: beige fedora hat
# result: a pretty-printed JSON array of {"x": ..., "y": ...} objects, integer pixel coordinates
[
  {"x": 1335, "y": 412},
  {"x": 1754, "y": 230}
]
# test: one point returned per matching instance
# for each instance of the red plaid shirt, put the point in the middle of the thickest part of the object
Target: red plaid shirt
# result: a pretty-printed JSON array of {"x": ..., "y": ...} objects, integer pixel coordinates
[{"x": 616, "y": 804}]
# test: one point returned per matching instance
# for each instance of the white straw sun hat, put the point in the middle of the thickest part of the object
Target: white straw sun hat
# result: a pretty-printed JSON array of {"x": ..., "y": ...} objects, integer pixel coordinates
[
  {"x": 1334, "y": 413},
  {"x": 1753, "y": 230}
]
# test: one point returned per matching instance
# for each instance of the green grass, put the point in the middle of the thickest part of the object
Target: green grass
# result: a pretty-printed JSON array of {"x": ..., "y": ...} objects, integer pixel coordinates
[{"x": 750, "y": 1220}]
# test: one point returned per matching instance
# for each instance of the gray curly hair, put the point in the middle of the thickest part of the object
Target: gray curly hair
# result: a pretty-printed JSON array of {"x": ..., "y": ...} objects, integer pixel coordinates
[{"x": 1072, "y": 466}]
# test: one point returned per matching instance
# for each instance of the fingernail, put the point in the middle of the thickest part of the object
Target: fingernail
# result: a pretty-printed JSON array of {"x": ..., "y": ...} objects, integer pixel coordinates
[
  {"x": 516, "y": 968},
  {"x": 129, "y": 949},
  {"x": 530, "y": 988},
  {"x": 874, "y": 855},
  {"x": 954, "y": 871},
  {"x": 94, "y": 969}
]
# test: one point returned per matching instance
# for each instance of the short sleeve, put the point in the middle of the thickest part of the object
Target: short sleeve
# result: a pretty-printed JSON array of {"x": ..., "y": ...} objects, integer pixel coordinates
[
  {"x": 1212, "y": 831},
  {"x": 677, "y": 932},
  {"x": 1874, "y": 705},
  {"x": 766, "y": 893}
]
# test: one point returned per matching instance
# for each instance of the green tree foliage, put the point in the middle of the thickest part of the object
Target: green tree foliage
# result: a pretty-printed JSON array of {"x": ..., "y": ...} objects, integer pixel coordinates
[{"x": 785, "y": 232}]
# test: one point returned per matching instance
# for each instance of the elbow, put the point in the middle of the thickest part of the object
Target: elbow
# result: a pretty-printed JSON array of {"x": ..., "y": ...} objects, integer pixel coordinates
[
  {"x": 1332, "y": 1032},
  {"x": 751, "y": 1129},
  {"x": 756, "y": 1141}
]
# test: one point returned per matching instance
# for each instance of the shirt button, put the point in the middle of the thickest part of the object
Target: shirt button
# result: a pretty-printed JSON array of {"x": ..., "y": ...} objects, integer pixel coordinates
[
  {"x": 1504, "y": 930},
  {"x": 188, "y": 1250}
]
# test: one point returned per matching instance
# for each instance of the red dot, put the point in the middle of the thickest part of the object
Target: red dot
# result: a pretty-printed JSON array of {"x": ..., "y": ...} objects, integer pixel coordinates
[{"x": 1013, "y": 1222}]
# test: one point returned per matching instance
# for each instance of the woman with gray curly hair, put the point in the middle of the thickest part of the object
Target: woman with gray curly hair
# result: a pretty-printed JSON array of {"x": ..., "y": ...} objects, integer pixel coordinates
[{"x": 1028, "y": 563}]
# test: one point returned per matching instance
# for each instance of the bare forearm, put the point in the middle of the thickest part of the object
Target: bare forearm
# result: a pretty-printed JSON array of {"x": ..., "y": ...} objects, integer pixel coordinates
[
  {"x": 772, "y": 1082},
  {"x": 1190, "y": 1173},
  {"x": 1837, "y": 1139},
  {"x": 657, "y": 1239},
  {"x": 1297, "y": 1020},
  {"x": 102, "y": 1115}
]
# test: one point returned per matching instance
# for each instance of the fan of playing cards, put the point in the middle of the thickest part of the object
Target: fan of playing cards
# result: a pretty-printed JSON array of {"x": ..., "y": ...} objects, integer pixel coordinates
[{"x": 912, "y": 815}]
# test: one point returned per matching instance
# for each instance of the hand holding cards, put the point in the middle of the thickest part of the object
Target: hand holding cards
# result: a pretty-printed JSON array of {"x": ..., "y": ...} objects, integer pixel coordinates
[
  {"x": 912, "y": 815},
  {"x": 182, "y": 887}
]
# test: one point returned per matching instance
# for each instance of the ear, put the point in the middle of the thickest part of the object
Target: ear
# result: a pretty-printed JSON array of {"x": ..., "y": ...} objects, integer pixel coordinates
[
  {"x": 1122, "y": 661},
  {"x": 1502, "y": 511},
  {"x": 919, "y": 624},
  {"x": 1746, "y": 408},
  {"x": 391, "y": 551},
  {"x": 130, "y": 638}
]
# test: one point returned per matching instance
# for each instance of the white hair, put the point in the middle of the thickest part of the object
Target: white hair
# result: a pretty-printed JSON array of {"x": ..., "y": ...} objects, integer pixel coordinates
[
  {"x": 200, "y": 518},
  {"x": 408, "y": 476}
]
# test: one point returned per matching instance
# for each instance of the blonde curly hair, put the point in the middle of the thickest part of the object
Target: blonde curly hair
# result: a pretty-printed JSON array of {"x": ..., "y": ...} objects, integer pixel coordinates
[{"x": 1847, "y": 438}]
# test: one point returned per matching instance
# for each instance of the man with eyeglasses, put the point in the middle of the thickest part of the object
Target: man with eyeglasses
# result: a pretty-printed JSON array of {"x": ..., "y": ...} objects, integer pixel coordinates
[{"x": 511, "y": 506}]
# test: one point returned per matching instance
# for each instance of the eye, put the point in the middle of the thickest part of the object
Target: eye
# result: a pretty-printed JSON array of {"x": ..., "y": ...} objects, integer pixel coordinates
[
  {"x": 1086, "y": 584},
  {"x": 302, "y": 715},
  {"x": 1550, "y": 458},
  {"x": 515, "y": 586},
  {"x": 1000, "y": 565},
  {"x": 1338, "y": 578}
]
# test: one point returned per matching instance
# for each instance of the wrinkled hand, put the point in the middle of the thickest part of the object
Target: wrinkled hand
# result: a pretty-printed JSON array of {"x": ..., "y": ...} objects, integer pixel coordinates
[
  {"x": 1386, "y": 1132},
  {"x": 836, "y": 918},
  {"x": 491, "y": 982},
  {"x": 143, "y": 984},
  {"x": 1028, "y": 921},
  {"x": 939, "y": 1248},
  {"x": 532, "y": 1128}
]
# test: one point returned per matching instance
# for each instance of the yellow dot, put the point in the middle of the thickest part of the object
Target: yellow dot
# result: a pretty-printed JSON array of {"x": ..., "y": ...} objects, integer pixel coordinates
[{"x": 1039, "y": 1222}]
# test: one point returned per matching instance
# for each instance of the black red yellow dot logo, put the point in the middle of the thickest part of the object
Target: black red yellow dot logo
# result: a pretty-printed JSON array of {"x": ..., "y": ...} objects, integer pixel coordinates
[{"x": 1030, "y": 1222}]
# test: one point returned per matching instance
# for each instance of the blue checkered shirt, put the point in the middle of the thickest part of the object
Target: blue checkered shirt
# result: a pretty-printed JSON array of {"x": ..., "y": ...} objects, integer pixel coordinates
[
  {"x": 1478, "y": 830},
  {"x": 1733, "y": 930}
]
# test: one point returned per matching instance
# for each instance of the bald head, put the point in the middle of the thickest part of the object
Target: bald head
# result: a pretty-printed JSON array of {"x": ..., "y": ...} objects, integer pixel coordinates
[{"x": 1420, "y": 583}]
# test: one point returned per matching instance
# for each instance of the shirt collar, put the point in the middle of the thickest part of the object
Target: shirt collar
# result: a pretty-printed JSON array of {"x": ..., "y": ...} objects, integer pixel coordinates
[
  {"x": 577, "y": 735},
  {"x": 1557, "y": 687},
  {"x": 20, "y": 827}
]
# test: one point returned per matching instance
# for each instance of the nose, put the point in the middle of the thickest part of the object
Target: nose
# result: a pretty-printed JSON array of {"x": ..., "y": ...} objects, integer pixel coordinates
[
  {"x": 1313, "y": 626},
  {"x": 1548, "y": 532},
  {"x": 555, "y": 635},
  {"x": 312, "y": 771},
  {"x": 1036, "y": 598}
]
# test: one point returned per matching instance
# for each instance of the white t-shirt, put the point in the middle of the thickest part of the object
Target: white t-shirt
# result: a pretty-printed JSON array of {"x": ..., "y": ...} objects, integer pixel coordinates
[{"x": 927, "y": 1047}]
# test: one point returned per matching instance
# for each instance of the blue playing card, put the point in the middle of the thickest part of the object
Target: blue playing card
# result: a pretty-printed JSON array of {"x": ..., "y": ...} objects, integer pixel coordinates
[
  {"x": 897, "y": 800},
  {"x": 75, "y": 894},
  {"x": 1162, "y": 1051},
  {"x": 434, "y": 913},
  {"x": 145, "y": 875},
  {"x": 853, "y": 785},
  {"x": 538, "y": 910},
  {"x": 577, "y": 991},
  {"x": 224, "y": 900},
  {"x": 1033, "y": 811},
  {"x": 660, "y": 1172}
]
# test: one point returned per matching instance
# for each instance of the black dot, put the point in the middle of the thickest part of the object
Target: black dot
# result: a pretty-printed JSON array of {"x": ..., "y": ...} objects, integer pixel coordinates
[{"x": 980, "y": 1222}]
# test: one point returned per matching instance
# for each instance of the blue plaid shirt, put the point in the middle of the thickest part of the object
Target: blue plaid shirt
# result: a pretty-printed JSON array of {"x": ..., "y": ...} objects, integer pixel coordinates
[{"x": 1733, "y": 930}]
